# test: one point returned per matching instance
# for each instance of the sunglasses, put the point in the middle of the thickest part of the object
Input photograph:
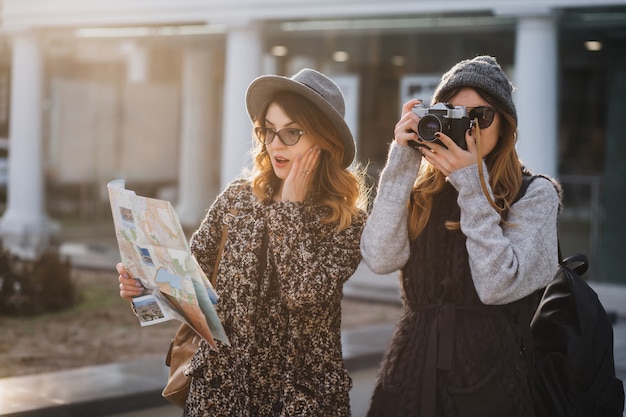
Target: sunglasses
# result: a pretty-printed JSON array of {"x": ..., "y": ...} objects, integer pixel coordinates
[
  {"x": 289, "y": 135},
  {"x": 484, "y": 114}
]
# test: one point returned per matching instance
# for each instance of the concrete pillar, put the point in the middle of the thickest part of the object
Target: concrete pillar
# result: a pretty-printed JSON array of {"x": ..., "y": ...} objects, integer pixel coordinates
[
  {"x": 199, "y": 172},
  {"x": 536, "y": 95},
  {"x": 243, "y": 64},
  {"x": 25, "y": 227}
]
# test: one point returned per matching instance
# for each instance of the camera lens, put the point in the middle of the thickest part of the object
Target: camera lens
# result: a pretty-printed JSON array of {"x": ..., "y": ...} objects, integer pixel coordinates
[{"x": 428, "y": 126}]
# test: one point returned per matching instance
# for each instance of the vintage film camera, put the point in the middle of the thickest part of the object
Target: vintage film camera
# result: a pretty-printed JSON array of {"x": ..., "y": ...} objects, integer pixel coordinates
[{"x": 442, "y": 117}]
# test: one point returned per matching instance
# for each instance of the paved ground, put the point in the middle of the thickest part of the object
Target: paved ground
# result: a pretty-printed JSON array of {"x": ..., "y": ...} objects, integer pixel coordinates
[{"x": 364, "y": 381}]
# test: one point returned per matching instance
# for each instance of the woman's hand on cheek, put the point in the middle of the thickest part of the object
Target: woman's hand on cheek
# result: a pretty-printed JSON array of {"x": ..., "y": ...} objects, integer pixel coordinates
[{"x": 298, "y": 182}]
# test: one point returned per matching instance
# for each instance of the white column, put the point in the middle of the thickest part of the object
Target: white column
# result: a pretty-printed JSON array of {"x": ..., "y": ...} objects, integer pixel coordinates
[
  {"x": 536, "y": 94},
  {"x": 243, "y": 64},
  {"x": 25, "y": 227},
  {"x": 199, "y": 171}
]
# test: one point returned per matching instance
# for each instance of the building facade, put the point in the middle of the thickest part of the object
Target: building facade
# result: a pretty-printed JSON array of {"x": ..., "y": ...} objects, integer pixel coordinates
[{"x": 153, "y": 92}]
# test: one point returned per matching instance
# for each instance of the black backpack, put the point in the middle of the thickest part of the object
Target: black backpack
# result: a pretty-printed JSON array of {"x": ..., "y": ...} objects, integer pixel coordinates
[
  {"x": 574, "y": 370},
  {"x": 571, "y": 340}
]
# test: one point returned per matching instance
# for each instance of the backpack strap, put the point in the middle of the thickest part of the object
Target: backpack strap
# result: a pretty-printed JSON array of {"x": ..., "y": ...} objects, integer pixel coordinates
[
  {"x": 526, "y": 307},
  {"x": 527, "y": 178}
]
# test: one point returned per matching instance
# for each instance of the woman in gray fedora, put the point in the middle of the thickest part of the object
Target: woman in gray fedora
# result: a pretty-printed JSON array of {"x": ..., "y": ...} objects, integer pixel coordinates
[
  {"x": 473, "y": 248},
  {"x": 291, "y": 245}
]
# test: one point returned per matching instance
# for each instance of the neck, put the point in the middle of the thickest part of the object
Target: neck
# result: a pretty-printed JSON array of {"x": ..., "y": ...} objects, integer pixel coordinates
[{"x": 277, "y": 197}]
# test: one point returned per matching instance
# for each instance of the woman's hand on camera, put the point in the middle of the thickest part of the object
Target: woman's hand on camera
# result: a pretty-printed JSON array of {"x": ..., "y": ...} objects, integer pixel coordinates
[
  {"x": 129, "y": 287},
  {"x": 406, "y": 128},
  {"x": 450, "y": 157}
]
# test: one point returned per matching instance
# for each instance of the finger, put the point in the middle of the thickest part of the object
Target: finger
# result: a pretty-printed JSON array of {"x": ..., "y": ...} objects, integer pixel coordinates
[
  {"x": 471, "y": 141},
  {"x": 433, "y": 152},
  {"x": 309, "y": 162},
  {"x": 408, "y": 123},
  {"x": 408, "y": 106},
  {"x": 435, "y": 159},
  {"x": 446, "y": 140},
  {"x": 121, "y": 269},
  {"x": 129, "y": 282},
  {"x": 128, "y": 295},
  {"x": 313, "y": 159},
  {"x": 296, "y": 167},
  {"x": 406, "y": 131},
  {"x": 130, "y": 290},
  {"x": 125, "y": 294},
  {"x": 429, "y": 151}
]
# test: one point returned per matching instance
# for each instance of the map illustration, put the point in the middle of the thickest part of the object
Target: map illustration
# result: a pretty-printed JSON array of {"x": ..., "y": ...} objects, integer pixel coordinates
[{"x": 155, "y": 251}]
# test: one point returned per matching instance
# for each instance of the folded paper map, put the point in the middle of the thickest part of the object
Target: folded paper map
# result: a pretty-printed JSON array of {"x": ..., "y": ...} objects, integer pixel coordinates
[{"x": 155, "y": 251}]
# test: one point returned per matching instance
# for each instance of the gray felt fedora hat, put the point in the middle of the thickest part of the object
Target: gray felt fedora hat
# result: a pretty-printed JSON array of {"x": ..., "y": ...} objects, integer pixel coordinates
[{"x": 313, "y": 85}]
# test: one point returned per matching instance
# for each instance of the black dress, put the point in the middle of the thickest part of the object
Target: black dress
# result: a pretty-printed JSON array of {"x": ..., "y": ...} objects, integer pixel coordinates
[{"x": 450, "y": 355}]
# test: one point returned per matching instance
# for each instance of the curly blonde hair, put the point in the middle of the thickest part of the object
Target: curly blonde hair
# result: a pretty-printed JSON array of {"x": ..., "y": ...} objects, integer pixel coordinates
[
  {"x": 340, "y": 189},
  {"x": 503, "y": 164}
]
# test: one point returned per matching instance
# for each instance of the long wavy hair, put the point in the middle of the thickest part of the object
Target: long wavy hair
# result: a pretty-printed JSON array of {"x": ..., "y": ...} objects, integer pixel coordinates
[
  {"x": 340, "y": 189},
  {"x": 503, "y": 164}
]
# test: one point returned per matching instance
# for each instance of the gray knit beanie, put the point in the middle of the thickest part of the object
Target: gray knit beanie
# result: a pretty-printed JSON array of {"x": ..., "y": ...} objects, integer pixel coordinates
[{"x": 482, "y": 72}]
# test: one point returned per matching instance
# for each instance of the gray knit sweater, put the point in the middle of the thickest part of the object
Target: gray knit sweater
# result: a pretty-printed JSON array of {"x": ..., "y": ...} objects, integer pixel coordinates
[{"x": 507, "y": 261}]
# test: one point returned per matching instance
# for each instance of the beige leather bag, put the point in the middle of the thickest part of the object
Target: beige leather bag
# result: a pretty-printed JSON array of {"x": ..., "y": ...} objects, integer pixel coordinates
[{"x": 183, "y": 347}]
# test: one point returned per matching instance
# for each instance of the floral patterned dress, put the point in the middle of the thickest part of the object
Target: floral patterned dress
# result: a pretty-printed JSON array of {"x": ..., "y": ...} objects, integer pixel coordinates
[{"x": 280, "y": 283}]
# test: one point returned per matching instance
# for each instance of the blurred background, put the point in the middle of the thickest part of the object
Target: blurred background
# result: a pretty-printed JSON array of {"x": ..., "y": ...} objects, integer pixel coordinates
[{"x": 153, "y": 92}]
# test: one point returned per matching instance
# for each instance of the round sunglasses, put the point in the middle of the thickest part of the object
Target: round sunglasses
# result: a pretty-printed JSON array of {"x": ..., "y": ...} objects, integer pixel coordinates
[{"x": 484, "y": 114}]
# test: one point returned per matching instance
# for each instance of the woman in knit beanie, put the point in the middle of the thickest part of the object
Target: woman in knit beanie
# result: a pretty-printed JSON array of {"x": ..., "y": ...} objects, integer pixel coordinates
[{"x": 470, "y": 246}]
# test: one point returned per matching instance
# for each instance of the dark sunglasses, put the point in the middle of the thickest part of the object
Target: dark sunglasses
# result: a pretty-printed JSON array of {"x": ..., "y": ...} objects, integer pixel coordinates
[
  {"x": 289, "y": 135},
  {"x": 484, "y": 114}
]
